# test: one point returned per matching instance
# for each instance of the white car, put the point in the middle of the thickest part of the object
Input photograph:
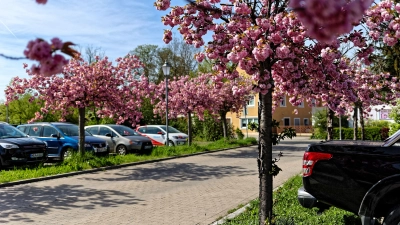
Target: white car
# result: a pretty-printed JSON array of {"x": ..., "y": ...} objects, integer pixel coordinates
[{"x": 158, "y": 135}]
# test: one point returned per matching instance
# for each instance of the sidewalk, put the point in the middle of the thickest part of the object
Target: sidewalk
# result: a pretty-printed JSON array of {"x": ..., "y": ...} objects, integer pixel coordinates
[{"x": 191, "y": 190}]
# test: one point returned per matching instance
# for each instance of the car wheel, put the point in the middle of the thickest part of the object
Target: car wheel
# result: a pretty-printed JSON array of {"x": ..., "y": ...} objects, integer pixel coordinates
[
  {"x": 171, "y": 144},
  {"x": 66, "y": 153},
  {"x": 393, "y": 217},
  {"x": 121, "y": 150}
]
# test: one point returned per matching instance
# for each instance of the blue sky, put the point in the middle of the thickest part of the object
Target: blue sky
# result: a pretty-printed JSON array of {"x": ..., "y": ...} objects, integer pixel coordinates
[{"x": 115, "y": 26}]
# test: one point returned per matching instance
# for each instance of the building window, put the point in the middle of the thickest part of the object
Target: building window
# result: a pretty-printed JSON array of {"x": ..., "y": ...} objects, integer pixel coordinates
[
  {"x": 286, "y": 121},
  {"x": 245, "y": 121},
  {"x": 297, "y": 121},
  {"x": 251, "y": 101},
  {"x": 283, "y": 102},
  {"x": 305, "y": 121},
  {"x": 301, "y": 105},
  {"x": 313, "y": 103}
]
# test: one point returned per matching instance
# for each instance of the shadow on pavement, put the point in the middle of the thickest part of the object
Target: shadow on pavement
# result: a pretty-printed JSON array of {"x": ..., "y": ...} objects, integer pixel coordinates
[
  {"x": 173, "y": 172},
  {"x": 17, "y": 203}
]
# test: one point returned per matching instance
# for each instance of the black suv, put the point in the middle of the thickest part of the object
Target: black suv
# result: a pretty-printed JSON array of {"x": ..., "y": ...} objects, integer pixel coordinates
[{"x": 16, "y": 148}]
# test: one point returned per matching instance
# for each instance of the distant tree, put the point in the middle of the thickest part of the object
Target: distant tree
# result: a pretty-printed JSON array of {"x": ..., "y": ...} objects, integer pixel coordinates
[
  {"x": 183, "y": 62},
  {"x": 148, "y": 55}
]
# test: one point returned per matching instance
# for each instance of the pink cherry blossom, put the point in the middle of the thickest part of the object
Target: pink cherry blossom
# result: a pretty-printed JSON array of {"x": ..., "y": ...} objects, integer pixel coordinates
[{"x": 41, "y": 1}]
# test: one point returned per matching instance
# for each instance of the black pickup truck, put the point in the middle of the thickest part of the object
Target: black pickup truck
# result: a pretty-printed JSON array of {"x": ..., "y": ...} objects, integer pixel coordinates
[{"x": 362, "y": 177}]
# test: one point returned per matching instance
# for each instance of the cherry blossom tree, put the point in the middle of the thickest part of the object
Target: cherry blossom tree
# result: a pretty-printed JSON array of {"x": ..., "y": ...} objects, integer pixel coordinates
[
  {"x": 111, "y": 89},
  {"x": 186, "y": 96},
  {"x": 230, "y": 96},
  {"x": 269, "y": 43},
  {"x": 370, "y": 89}
]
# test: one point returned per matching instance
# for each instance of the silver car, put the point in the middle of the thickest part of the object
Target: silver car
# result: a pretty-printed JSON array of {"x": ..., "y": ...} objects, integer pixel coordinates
[{"x": 121, "y": 139}]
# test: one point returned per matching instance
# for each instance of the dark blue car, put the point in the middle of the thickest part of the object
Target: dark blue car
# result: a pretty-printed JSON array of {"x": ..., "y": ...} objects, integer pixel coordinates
[
  {"x": 16, "y": 148},
  {"x": 62, "y": 138}
]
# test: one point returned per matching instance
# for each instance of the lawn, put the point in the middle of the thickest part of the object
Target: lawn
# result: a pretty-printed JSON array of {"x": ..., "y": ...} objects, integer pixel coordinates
[
  {"x": 288, "y": 211},
  {"x": 88, "y": 161}
]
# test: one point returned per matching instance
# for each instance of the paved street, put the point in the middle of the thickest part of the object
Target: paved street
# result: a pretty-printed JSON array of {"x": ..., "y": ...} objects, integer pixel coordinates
[{"x": 191, "y": 190}]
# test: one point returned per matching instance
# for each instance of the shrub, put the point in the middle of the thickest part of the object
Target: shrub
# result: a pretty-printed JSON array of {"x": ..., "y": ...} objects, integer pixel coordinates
[
  {"x": 210, "y": 129},
  {"x": 319, "y": 133},
  {"x": 239, "y": 134},
  {"x": 179, "y": 123},
  {"x": 393, "y": 128},
  {"x": 371, "y": 133},
  {"x": 377, "y": 123},
  {"x": 384, "y": 133}
]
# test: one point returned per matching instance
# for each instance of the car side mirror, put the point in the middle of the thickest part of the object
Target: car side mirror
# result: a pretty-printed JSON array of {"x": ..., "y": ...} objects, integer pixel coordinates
[
  {"x": 109, "y": 135},
  {"x": 56, "y": 135},
  {"x": 159, "y": 132}
]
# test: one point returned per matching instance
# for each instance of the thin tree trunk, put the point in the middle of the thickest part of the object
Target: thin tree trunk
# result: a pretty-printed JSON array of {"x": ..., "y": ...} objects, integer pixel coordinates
[
  {"x": 81, "y": 130},
  {"x": 190, "y": 135},
  {"x": 224, "y": 124},
  {"x": 362, "y": 123},
  {"x": 264, "y": 159},
  {"x": 330, "y": 117},
  {"x": 355, "y": 123}
]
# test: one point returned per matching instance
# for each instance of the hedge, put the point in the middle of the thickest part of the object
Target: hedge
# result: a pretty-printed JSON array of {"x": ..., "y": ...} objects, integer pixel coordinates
[{"x": 371, "y": 133}]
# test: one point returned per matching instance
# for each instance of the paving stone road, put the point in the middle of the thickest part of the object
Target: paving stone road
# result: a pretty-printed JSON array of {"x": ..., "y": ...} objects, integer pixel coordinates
[{"x": 188, "y": 191}]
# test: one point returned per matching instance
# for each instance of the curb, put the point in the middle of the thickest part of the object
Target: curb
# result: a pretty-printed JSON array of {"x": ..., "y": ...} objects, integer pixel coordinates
[
  {"x": 14, "y": 183},
  {"x": 237, "y": 212}
]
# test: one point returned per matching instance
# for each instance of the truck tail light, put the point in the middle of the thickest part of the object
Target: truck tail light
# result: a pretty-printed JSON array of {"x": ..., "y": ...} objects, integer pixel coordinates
[{"x": 309, "y": 160}]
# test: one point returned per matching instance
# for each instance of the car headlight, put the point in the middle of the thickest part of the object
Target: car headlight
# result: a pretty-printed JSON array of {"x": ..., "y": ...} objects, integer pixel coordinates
[
  {"x": 175, "y": 137},
  {"x": 87, "y": 145},
  {"x": 134, "y": 142},
  {"x": 8, "y": 146}
]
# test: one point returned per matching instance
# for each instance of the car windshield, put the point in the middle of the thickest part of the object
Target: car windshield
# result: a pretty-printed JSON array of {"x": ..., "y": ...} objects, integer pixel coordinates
[
  {"x": 8, "y": 131},
  {"x": 124, "y": 131},
  {"x": 392, "y": 139},
  {"x": 170, "y": 129},
  {"x": 71, "y": 130}
]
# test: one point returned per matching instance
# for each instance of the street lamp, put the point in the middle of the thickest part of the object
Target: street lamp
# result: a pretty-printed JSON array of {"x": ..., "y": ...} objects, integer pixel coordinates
[
  {"x": 166, "y": 68},
  {"x": 340, "y": 127}
]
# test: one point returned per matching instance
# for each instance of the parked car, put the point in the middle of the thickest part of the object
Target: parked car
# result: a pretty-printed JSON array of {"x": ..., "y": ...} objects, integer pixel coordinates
[
  {"x": 63, "y": 138},
  {"x": 121, "y": 139},
  {"x": 157, "y": 134},
  {"x": 362, "y": 177},
  {"x": 16, "y": 148}
]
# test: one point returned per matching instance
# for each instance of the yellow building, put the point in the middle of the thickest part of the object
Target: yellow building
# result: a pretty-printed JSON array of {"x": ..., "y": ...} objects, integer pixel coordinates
[{"x": 284, "y": 114}]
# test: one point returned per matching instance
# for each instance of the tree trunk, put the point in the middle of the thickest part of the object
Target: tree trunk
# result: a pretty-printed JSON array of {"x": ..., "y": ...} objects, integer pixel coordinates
[
  {"x": 355, "y": 123},
  {"x": 190, "y": 135},
  {"x": 224, "y": 124},
  {"x": 362, "y": 123},
  {"x": 81, "y": 130},
  {"x": 330, "y": 117},
  {"x": 264, "y": 159}
]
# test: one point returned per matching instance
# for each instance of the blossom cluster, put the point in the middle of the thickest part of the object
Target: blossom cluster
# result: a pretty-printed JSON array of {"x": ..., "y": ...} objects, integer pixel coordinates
[
  {"x": 326, "y": 20},
  {"x": 112, "y": 90},
  {"x": 384, "y": 22},
  {"x": 205, "y": 92},
  {"x": 271, "y": 46}
]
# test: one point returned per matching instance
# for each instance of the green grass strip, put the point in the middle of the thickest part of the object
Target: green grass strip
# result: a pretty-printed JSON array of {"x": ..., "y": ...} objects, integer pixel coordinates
[
  {"x": 78, "y": 163},
  {"x": 288, "y": 211}
]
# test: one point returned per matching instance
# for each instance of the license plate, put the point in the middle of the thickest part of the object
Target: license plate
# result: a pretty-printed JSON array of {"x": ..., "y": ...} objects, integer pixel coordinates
[
  {"x": 180, "y": 143},
  {"x": 36, "y": 155},
  {"x": 147, "y": 147},
  {"x": 102, "y": 149}
]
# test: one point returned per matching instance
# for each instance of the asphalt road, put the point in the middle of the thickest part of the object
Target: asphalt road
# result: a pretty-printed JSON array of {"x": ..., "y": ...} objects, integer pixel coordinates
[{"x": 192, "y": 190}]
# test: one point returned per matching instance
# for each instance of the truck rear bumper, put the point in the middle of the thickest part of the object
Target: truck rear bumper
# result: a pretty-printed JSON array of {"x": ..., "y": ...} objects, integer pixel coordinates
[{"x": 306, "y": 199}]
